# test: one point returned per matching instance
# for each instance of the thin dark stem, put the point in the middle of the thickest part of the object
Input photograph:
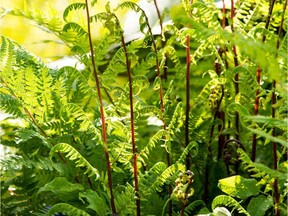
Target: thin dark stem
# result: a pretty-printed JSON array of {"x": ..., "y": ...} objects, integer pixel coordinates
[
  {"x": 104, "y": 132},
  {"x": 165, "y": 71},
  {"x": 186, "y": 191},
  {"x": 187, "y": 111},
  {"x": 224, "y": 15},
  {"x": 236, "y": 77},
  {"x": 258, "y": 77},
  {"x": 209, "y": 156},
  {"x": 188, "y": 63},
  {"x": 136, "y": 185},
  {"x": 274, "y": 144},
  {"x": 163, "y": 42}
]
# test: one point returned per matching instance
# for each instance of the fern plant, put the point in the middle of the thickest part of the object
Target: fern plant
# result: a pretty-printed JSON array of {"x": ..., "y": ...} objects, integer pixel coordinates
[{"x": 160, "y": 125}]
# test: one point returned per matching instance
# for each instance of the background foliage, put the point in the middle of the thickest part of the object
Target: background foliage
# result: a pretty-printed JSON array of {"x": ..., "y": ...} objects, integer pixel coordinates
[{"x": 190, "y": 121}]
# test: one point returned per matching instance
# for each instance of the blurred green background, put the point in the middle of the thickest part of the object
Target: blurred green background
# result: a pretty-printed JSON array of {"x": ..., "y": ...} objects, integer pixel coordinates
[{"x": 34, "y": 39}]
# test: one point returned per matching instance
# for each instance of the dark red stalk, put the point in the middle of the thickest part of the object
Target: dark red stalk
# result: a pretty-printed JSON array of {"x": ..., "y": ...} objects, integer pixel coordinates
[
  {"x": 274, "y": 144},
  {"x": 236, "y": 77},
  {"x": 258, "y": 77},
  {"x": 188, "y": 63},
  {"x": 136, "y": 185},
  {"x": 104, "y": 132},
  {"x": 165, "y": 71}
]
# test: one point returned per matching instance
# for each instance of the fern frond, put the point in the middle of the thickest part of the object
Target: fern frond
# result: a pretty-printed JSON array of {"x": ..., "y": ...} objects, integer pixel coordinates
[
  {"x": 258, "y": 170},
  {"x": 149, "y": 176},
  {"x": 96, "y": 202},
  {"x": 74, "y": 155},
  {"x": 49, "y": 21},
  {"x": 75, "y": 84},
  {"x": 125, "y": 199},
  {"x": 206, "y": 91},
  {"x": 165, "y": 175},
  {"x": 193, "y": 206},
  {"x": 177, "y": 119},
  {"x": 152, "y": 143},
  {"x": 224, "y": 200},
  {"x": 66, "y": 209},
  {"x": 10, "y": 105},
  {"x": 74, "y": 27},
  {"x": 268, "y": 136},
  {"x": 72, "y": 7},
  {"x": 247, "y": 80},
  {"x": 72, "y": 114},
  {"x": 187, "y": 150},
  {"x": 143, "y": 20}
]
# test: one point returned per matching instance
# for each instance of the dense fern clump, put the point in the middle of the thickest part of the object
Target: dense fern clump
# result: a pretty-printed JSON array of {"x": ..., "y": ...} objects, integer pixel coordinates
[{"x": 191, "y": 121}]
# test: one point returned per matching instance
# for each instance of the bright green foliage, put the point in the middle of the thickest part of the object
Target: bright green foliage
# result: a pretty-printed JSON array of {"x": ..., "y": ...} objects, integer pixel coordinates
[
  {"x": 237, "y": 186},
  {"x": 55, "y": 126}
]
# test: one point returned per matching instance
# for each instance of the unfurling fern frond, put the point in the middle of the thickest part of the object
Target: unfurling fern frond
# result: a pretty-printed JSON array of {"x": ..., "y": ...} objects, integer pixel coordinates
[
  {"x": 74, "y": 114},
  {"x": 74, "y": 155},
  {"x": 161, "y": 179},
  {"x": 73, "y": 7},
  {"x": 75, "y": 84},
  {"x": 152, "y": 143},
  {"x": 143, "y": 20},
  {"x": 187, "y": 150},
  {"x": 66, "y": 209},
  {"x": 224, "y": 200},
  {"x": 150, "y": 176},
  {"x": 259, "y": 170}
]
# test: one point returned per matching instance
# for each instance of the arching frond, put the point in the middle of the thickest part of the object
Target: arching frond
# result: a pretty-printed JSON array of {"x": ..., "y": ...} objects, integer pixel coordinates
[
  {"x": 66, "y": 209},
  {"x": 74, "y": 155},
  {"x": 224, "y": 200}
]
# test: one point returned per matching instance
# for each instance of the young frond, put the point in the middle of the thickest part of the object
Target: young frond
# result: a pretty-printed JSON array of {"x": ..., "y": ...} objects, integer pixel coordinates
[
  {"x": 66, "y": 209},
  {"x": 71, "y": 8},
  {"x": 165, "y": 175},
  {"x": 74, "y": 155},
  {"x": 224, "y": 200}
]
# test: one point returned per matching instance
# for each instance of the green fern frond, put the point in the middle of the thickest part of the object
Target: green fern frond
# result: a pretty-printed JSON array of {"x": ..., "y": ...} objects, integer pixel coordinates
[
  {"x": 262, "y": 133},
  {"x": 259, "y": 170},
  {"x": 75, "y": 84},
  {"x": 152, "y": 143},
  {"x": 200, "y": 12},
  {"x": 247, "y": 80},
  {"x": 125, "y": 199},
  {"x": 7, "y": 55},
  {"x": 187, "y": 150},
  {"x": 36, "y": 162},
  {"x": 172, "y": 53},
  {"x": 72, "y": 114},
  {"x": 193, "y": 206},
  {"x": 10, "y": 105},
  {"x": 49, "y": 21},
  {"x": 96, "y": 202},
  {"x": 224, "y": 200},
  {"x": 72, "y": 7},
  {"x": 143, "y": 20},
  {"x": 72, "y": 27},
  {"x": 74, "y": 155},
  {"x": 139, "y": 84},
  {"x": 177, "y": 119},
  {"x": 66, "y": 209},
  {"x": 206, "y": 91},
  {"x": 165, "y": 175}
]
